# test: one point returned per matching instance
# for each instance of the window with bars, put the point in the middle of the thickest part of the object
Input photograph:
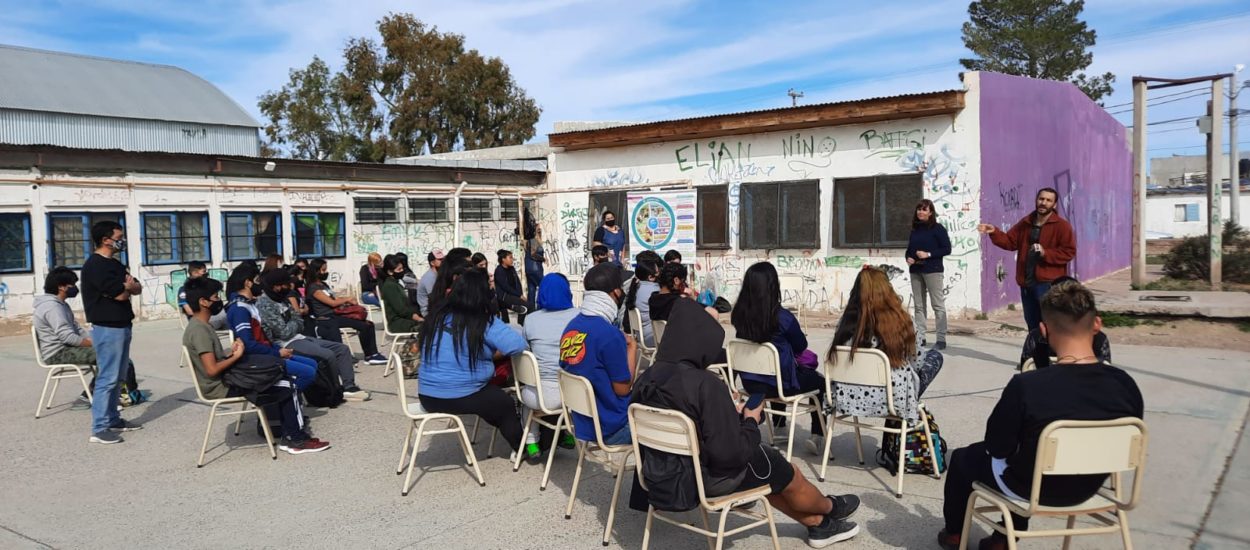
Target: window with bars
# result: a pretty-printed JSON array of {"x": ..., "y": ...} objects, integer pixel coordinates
[
  {"x": 69, "y": 236},
  {"x": 713, "y": 217},
  {"x": 319, "y": 235},
  {"x": 780, "y": 215},
  {"x": 428, "y": 210},
  {"x": 370, "y": 210},
  {"x": 251, "y": 235},
  {"x": 16, "y": 254},
  {"x": 175, "y": 237},
  {"x": 875, "y": 211},
  {"x": 508, "y": 211},
  {"x": 476, "y": 210}
]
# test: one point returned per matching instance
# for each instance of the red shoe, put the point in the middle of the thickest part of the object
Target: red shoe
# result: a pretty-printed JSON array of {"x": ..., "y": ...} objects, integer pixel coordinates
[
  {"x": 310, "y": 445},
  {"x": 948, "y": 541}
]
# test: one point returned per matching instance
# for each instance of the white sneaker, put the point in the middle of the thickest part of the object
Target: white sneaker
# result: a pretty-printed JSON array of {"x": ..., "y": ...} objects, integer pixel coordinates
[{"x": 356, "y": 395}]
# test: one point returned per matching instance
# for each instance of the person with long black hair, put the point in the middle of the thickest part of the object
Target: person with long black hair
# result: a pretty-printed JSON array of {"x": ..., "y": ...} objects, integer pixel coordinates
[
  {"x": 458, "y": 343},
  {"x": 641, "y": 287},
  {"x": 758, "y": 317},
  {"x": 322, "y": 302},
  {"x": 455, "y": 262}
]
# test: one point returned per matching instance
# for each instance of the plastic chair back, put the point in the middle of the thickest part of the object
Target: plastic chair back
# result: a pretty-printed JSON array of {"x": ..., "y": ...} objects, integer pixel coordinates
[
  {"x": 1079, "y": 447},
  {"x": 657, "y": 331},
  {"x": 871, "y": 367},
  {"x": 195, "y": 376}
]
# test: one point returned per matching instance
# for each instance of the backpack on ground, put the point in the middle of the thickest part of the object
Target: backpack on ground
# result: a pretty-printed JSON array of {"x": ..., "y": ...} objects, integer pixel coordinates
[
  {"x": 916, "y": 459},
  {"x": 326, "y": 390}
]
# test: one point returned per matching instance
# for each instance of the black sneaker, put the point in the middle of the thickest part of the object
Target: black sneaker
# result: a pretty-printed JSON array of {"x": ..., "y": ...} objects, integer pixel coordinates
[
  {"x": 105, "y": 437},
  {"x": 843, "y": 505},
  {"x": 124, "y": 426},
  {"x": 520, "y": 310},
  {"x": 830, "y": 531},
  {"x": 940, "y": 345}
]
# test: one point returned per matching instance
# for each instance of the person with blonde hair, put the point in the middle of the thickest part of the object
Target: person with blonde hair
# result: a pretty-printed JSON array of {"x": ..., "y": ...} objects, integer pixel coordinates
[{"x": 370, "y": 276}]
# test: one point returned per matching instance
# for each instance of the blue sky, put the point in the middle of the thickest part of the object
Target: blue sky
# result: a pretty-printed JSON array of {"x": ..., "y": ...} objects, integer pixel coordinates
[{"x": 649, "y": 59}]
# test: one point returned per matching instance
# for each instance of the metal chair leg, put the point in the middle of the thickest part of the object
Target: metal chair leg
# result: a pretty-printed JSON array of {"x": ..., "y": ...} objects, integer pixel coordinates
[{"x": 577, "y": 478}]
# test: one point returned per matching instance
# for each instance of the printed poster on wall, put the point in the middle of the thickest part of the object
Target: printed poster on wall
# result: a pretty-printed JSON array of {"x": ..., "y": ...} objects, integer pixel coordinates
[{"x": 662, "y": 221}]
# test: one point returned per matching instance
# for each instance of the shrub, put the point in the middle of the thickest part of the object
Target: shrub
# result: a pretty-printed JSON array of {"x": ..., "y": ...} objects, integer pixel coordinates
[{"x": 1190, "y": 259}]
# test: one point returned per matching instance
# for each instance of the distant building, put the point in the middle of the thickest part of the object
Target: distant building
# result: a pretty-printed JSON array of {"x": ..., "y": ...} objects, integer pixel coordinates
[
  {"x": 69, "y": 100},
  {"x": 1186, "y": 170},
  {"x": 1179, "y": 212}
]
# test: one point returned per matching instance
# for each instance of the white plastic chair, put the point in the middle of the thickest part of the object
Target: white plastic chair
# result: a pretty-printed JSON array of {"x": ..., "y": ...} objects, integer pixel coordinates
[
  {"x": 56, "y": 373},
  {"x": 578, "y": 396},
  {"x": 525, "y": 370},
  {"x": 763, "y": 359},
  {"x": 673, "y": 432},
  {"x": 1030, "y": 365},
  {"x": 214, "y": 412},
  {"x": 390, "y": 338},
  {"x": 1073, "y": 447},
  {"x": 635, "y": 329},
  {"x": 871, "y": 367},
  {"x": 721, "y": 370},
  {"x": 370, "y": 309},
  {"x": 418, "y": 418},
  {"x": 490, "y": 447},
  {"x": 794, "y": 287},
  {"x": 657, "y": 331}
]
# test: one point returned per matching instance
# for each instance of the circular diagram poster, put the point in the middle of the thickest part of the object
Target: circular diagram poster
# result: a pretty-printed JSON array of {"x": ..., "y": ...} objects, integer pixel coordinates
[{"x": 662, "y": 221}]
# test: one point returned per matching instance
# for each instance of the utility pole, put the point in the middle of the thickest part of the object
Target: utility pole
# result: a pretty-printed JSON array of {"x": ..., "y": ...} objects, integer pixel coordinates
[
  {"x": 794, "y": 97},
  {"x": 1139, "y": 183},
  {"x": 1215, "y": 227},
  {"x": 1234, "y": 171}
]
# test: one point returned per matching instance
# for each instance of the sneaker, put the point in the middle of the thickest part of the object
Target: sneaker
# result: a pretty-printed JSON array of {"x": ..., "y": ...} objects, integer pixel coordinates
[
  {"x": 815, "y": 444},
  {"x": 310, "y": 445},
  {"x": 376, "y": 359},
  {"x": 567, "y": 441},
  {"x": 80, "y": 404},
  {"x": 996, "y": 541},
  {"x": 940, "y": 345},
  {"x": 520, "y": 310},
  {"x": 843, "y": 505},
  {"x": 830, "y": 531},
  {"x": 354, "y": 393},
  {"x": 123, "y": 426},
  {"x": 533, "y": 454},
  {"x": 948, "y": 541},
  {"x": 105, "y": 438}
]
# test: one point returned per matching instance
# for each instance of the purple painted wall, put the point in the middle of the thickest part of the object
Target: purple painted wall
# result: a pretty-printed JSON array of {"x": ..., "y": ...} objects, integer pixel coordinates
[{"x": 1042, "y": 133}]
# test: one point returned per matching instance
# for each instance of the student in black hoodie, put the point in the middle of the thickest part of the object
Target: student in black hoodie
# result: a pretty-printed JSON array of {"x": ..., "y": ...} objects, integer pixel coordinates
[{"x": 732, "y": 456}]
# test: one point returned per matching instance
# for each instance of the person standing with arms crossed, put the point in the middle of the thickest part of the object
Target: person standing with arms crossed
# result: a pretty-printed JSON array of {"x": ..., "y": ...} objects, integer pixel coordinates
[
  {"x": 926, "y": 247},
  {"x": 106, "y": 292},
  {"x": 1044, "y": 244}
]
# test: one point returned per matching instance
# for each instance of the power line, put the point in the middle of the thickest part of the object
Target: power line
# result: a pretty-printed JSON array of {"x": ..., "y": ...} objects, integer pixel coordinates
[
  {"x": 1200, "y": 93},
  {"x": 1202, "y": 87},
  {"x": 1195, "y": 147}
]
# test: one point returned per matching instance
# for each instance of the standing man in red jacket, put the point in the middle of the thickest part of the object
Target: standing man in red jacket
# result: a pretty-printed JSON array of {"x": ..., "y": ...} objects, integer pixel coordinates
[{"x": 1044, "y": 244}]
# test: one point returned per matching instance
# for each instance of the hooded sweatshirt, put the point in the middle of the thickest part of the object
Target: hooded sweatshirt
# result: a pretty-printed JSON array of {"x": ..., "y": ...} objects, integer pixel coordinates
[
  {"x": 726, "y": 439},
  {"x": 55, "y": 326}
]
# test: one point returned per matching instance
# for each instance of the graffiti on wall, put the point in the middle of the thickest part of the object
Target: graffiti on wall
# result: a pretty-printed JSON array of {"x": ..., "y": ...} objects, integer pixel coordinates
[
  {"x": 4, "y": 296},
  {"x": 627, "y": 176},
  {"x": 893, "y": 144},
  {"x": 807, "y": 152}
]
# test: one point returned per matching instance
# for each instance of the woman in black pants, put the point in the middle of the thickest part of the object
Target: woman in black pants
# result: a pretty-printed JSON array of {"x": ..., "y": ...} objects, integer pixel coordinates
[{"x": 321, "y": 303}]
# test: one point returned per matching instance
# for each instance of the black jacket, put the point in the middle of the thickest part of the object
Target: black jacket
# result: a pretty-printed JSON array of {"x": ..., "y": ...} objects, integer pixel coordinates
[
  {"x": 507, "y": 282},
  {"x": 726, "y": 440}
]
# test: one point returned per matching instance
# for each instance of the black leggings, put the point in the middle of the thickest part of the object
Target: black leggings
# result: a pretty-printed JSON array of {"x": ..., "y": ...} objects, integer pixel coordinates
[
  {"x": 328, "y": 329},
  {"x": 809, "y": 380},
  {"x": 967, "y": 465},
  {"x": 490, "y": 403}
]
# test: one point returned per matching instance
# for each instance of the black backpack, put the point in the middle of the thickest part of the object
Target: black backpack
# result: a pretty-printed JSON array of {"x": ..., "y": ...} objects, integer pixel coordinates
[
  {"x": 326, "y": 390},
  {"x": 255, "y": 374},
  {"x": 671, "y": 484}
]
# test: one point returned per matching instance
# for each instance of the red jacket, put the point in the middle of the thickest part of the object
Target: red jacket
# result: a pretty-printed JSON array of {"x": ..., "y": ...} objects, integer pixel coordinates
[{"x": 1058, "y": 246}]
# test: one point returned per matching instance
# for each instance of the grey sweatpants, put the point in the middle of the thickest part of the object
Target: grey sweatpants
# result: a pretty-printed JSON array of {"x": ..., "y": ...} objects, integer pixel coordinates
[
  {"x": 334, "y": 353},
  {"x": 930, "y": 285}
]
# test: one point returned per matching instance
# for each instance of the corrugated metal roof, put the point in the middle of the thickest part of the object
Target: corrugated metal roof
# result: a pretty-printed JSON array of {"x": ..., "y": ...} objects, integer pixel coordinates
[{"x": 40, "y": 80}]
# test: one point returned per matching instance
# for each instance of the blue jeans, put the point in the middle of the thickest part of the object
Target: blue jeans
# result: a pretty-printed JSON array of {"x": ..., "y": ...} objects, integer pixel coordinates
[
  {"x": 112, "y": 349},
  {"x": 370, "y": 298},
  {"x": 621, "y": 437},
  {"x": 304, "y": 369},
  {"x": 1031, "y": 300}
]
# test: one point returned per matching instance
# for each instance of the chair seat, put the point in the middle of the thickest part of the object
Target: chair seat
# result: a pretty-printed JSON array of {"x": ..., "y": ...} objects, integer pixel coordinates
[
  {"x": 717, "y": 503},
  {"x": 1096, "y": 503}
]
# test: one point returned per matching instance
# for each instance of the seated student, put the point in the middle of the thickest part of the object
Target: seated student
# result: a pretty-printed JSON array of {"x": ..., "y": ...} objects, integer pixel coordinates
[
  {"x": 594, "y": 349},
  {"x": 732, "y": 455},
  {"x": 369, "y": 279},
  {"x": 458, "y": 344},
  {"x": 1075, "y": 387},
  {"x": 1036, "y": 347},
  {"x": 242, "y": 290},
  {"x": 508, "y": 287},
  {"x": 874, "y": 317},
  {"x": 282, "y": 326},
  {"x": 401, "y": 314},
  {"x": 322, "y": 301},
  {"x": 196, "y": 270},
  {"x": 453, "y": 264},
  {"x": 63, "y": 341},
  {"x": 600, "y": 254},
  {"x": 296, "y": 298},
  {"x": 272, "y": 261},
  {"x": 543, "y": 330},
  {"x": 672, "y": 281},
  {"x": 641, "y": 287},
  {"x": 423, "y": 286},
  {"x": 210, "y": 362},
  {"x": 672, "y": 257}
]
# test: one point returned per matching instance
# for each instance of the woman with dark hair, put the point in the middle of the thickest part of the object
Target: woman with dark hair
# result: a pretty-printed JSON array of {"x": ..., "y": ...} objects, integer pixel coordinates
[
  {"x": 758, "y": 317},
  {"x": 926, "y": 247},
  {"x": 401, "y": 315},
  {"x": 672, "y": 256},
  {"x": 641, "y": 288},
  {"x": 672, "y": 282},
  {"x": 322, "y": 302},
  {"x": 875, "y": 318},
  {"x": 272, "y": 261},
  {"x": 479, "y": 261},
  {"x": 451, "y": 268},
  {"x": 458, "y": 344},
  {"x": 609, "y": 234}
]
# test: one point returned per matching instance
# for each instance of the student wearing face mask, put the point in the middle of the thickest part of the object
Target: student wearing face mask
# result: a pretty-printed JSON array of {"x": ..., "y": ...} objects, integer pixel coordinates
[
  {"x": 609, "y": 234},
  {"x": 242, "y": 290},
  {"x": 63, "y": 341}
]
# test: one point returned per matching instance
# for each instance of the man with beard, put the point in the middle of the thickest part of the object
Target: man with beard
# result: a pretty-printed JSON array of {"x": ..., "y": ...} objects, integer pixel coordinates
[{"x": 1044, "y": 244}]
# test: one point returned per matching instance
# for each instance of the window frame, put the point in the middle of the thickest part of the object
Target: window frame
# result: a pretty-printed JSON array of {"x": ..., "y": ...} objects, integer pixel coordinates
[
  {"x": 176, "y": 237},
  {"x": 506, "y": 215},
  {"x": 776, "y": 216},
  {"x": 445, "y": 211},
  {"x": 490, "y": 210},
  {"x": 87, "y": 219},
  {"x": 319, "y": 239},
  {"x": 700, "y": 241},
  {"x": 878, "y": 223},
  {"x": 393, "y": 211},
  {"x": 24, "y": 218},
  {"x": 251, "y": 223}
]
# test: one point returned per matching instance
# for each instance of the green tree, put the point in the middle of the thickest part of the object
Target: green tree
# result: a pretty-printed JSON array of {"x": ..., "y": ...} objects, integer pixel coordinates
[
  {"x": 1035, "y": 38},
  {"x": 413, "y": 91}
]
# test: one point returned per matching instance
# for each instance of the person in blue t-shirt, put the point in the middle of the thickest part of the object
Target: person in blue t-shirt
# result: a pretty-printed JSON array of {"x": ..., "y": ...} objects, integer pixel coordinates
[
  {"x": 596, "y": 350},
  {"x": 458, "y": 343}
]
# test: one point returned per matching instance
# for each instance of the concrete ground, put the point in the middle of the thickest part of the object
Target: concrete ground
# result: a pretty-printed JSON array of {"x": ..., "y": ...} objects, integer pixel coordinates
[{"x": 59, "y": 491}]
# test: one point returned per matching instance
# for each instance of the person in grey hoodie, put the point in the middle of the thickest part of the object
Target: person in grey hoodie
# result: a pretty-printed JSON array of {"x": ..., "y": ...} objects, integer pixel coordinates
[{"x": 62, "y": 340}]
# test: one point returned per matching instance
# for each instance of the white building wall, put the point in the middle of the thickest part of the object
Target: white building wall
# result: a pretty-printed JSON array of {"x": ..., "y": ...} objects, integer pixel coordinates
[
  {"x": 1161, "y": 216},
  {"x": 943, "y": 149}
]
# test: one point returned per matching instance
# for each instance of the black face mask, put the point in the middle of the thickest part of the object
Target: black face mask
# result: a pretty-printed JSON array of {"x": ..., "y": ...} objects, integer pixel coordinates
[
  {"x": 216, "y": 307},
  {"x": 610, "y": 223},
  {"x": 276, "y": 295},
  {"x": 71, "y": 292}
]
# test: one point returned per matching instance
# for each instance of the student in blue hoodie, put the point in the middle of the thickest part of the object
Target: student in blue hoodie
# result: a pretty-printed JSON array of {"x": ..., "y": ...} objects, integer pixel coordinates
[
  {"x": 242, "y": 289},
  {"x": 926, "y": 247}
]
